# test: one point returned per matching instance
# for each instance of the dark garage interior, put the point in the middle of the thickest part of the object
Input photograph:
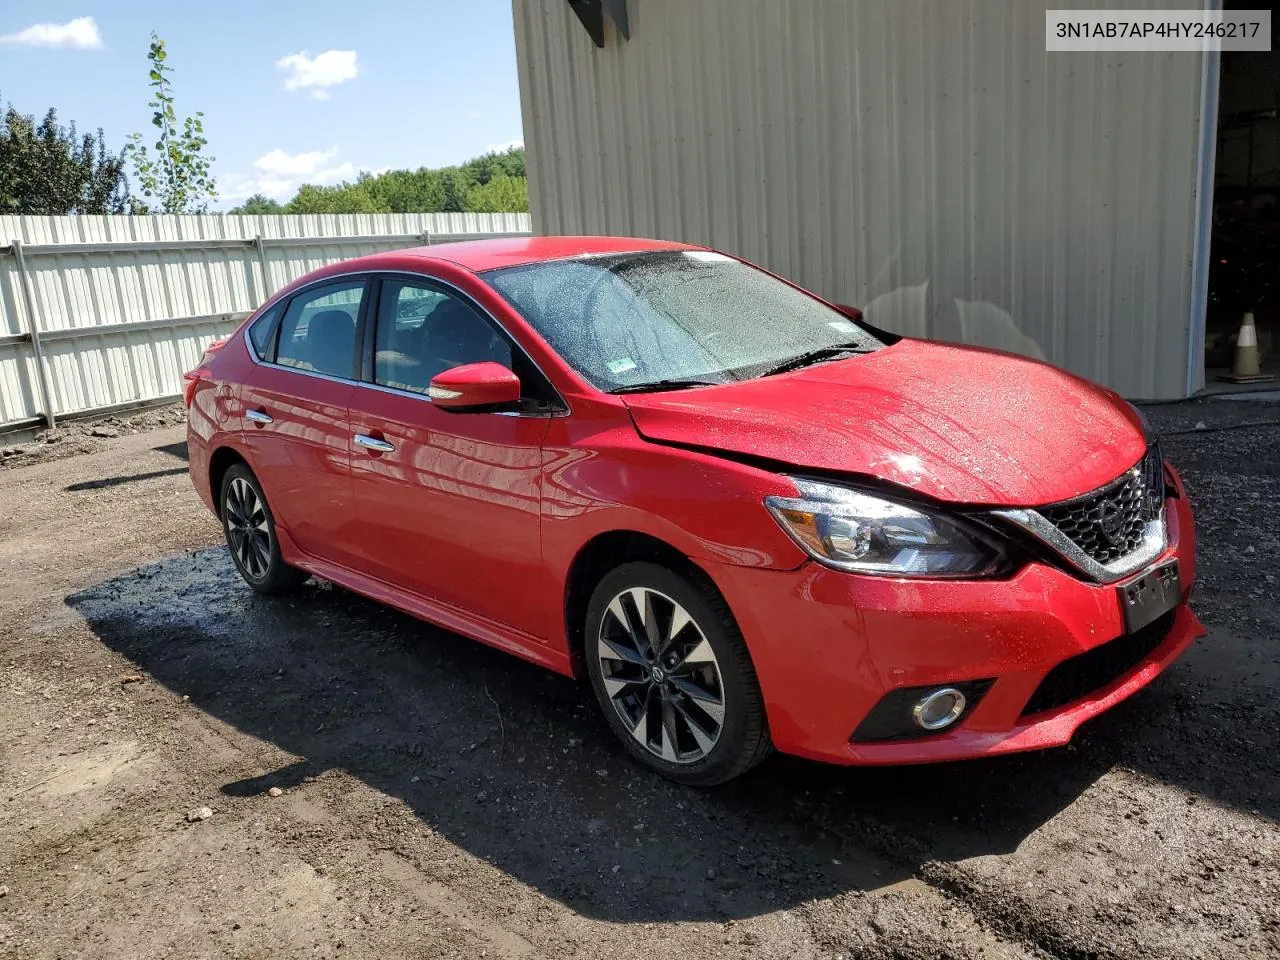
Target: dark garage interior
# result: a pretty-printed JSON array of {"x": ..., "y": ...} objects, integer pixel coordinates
[{"x": 1245, "y": 244}]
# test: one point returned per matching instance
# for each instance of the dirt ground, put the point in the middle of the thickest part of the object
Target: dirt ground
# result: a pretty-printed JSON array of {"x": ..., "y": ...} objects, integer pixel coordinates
[
  {"x": 70, "y": 438},
  {"x": 382, "y": 788}
]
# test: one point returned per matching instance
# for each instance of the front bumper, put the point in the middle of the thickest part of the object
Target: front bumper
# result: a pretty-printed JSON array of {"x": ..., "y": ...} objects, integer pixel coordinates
[{"x": 828, "y": 645}]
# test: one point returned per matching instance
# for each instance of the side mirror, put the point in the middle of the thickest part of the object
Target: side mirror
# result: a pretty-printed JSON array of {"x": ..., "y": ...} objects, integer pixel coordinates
[
  {"x": 475, "y": 388},
  {"x": 853, "y": 313}
]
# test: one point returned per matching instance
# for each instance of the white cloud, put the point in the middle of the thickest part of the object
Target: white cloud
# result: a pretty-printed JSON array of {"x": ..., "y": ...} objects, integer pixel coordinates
[
  {"x": 504, "y": 147},
  {"x": 279, "y": 175},
  {"x": 82, "y": 33},
  {"x": 327, "y": 69},
  {"x": 298, "y": 164}
]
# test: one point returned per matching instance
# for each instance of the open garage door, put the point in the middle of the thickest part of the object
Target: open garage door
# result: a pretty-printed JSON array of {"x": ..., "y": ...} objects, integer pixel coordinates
[{"x": 1244, "y": 249}]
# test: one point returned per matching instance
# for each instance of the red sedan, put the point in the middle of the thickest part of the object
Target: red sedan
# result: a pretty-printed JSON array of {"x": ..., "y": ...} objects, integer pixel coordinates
[{"x": 748, "y": 517}]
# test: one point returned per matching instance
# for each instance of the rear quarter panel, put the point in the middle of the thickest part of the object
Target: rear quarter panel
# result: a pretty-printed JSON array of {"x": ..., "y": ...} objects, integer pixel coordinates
[
  {"x": 201, "y": 433},
  {"x": 215, "y": 417}
]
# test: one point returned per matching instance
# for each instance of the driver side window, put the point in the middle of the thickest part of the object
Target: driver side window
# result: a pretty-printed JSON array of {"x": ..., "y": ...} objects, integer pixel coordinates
[{"x": 422, "y": 331}]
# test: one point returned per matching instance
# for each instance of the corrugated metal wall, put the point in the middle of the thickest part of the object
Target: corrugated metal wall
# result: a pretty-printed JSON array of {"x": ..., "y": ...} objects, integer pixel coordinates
[
  {"x": 926, "y": 159},
  {"x": 174, "y": 281}
]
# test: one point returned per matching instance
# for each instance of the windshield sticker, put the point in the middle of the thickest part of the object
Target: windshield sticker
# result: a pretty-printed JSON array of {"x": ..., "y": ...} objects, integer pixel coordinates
[
  {"x": 621, "y": 366},
  {"x": 844, "y": 326},
  {"x": 708, "y": 256}
]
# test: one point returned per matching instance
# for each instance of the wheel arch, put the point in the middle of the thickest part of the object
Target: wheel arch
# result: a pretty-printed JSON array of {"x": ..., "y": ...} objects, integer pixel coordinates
[
  {"x": 220, "y": 461},
  {"x": 607, "y": 551}
]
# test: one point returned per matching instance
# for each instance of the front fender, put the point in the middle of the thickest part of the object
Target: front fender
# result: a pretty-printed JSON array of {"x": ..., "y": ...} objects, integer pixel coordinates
[
  {"x": 599, "y": 476},
  {"x": 706, "y": 507}
]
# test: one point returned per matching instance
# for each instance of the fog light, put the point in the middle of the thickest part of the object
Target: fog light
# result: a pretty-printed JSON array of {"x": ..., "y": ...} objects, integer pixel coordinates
[
  {"x": 938, "y": 709},
  {"x": 910, "y": 713}
]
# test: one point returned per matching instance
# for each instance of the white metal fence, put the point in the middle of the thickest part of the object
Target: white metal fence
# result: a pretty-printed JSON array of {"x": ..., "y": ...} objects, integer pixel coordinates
[{"x": 102, "y": 313}]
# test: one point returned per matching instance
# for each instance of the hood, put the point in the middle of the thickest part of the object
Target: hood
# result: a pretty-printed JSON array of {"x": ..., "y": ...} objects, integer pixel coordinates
[{"x": 958, "y": 424}]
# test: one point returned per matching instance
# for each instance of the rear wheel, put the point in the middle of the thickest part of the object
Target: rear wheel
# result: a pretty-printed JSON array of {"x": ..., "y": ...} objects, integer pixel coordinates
[
  {"x": 672, "y": 674},
  {"x": 250, "y": 530}
]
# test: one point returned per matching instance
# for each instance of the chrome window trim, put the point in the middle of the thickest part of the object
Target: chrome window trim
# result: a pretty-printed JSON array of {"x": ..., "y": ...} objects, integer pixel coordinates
[
  {"x": 1152, "y": 545},
  {"x": 379, "y": 274}
]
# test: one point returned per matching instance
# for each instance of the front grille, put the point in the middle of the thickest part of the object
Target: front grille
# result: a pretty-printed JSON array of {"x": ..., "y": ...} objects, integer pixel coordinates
[
  {"x": 1092, "y": 670},
  {"x": 1109, "y": 523}
]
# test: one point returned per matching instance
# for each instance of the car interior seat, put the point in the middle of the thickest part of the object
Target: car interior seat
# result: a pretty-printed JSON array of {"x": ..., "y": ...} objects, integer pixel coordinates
[
  {"x": 331, "y": 342},
  {"x": 457, "y": 336}
]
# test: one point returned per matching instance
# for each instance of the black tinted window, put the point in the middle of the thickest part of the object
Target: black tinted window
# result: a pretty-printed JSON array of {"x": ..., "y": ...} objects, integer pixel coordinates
[
  {"x": 422, "y": 331},
  {"x": 319, "y": 330},
  {"x": 263, "y": 330}
]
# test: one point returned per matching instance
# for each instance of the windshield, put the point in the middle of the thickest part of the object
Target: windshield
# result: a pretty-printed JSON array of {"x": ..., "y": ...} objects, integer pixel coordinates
[{"x": 667, "y": 317}]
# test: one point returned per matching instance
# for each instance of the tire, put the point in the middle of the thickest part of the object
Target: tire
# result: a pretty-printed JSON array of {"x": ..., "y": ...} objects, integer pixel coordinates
[
  {"x": 699, "y": 719},
  {"x": 250, "y": 530}
]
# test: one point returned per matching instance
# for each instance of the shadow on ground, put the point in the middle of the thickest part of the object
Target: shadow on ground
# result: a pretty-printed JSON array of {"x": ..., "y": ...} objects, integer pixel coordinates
[
  {"x": 511, "y": 763},
  {"x": 118, "y": 481},
  {"x": 178, "y": 449}
]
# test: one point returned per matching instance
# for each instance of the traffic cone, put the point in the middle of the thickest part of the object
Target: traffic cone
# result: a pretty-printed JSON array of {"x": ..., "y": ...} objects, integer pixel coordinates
[{"x": 1246, "y": 369}]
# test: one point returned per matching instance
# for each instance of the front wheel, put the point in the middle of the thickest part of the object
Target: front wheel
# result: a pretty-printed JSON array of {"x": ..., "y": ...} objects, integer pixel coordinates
[
  {"x": 672, "y": 674},
  {"x": 250, "y": 530}
]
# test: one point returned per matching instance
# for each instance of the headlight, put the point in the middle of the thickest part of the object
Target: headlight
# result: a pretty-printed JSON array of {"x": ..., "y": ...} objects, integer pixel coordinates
[{"x": 862, "y": 533}]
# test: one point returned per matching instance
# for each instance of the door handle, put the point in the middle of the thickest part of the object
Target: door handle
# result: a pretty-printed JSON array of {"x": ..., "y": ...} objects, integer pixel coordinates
[
  {"x": 258, "y": 416},
  {"x": 373, "y": 443}
]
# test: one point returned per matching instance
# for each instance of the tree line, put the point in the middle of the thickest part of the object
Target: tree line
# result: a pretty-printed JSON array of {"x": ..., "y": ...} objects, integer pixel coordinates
[
  {"x": 493, "y": 183},
  {"x": 50, "y": 169}
]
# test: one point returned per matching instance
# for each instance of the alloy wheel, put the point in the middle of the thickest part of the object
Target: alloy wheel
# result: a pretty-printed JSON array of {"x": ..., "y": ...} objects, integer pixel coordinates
[
  {"x": 661, "y": 675},
  {"x": 248, "y": 529}
]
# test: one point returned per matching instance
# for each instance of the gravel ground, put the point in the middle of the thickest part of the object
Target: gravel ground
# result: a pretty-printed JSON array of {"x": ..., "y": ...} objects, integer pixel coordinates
[{"x": 373, "y": 786}]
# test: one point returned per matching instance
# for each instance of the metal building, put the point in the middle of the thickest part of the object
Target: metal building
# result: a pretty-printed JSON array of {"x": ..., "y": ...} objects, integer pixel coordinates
[{"x": 924, "y": 159}]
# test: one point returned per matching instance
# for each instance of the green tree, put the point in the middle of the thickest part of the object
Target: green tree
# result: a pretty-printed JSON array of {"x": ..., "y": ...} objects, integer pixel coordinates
[
  {"x": 49, "y": 170},
  {"x": 406, "y": 191},
  {"x": 343, "y": 198},
  {"x": 502, "y": 194},
  {"x": 258, "y": 203},
  {"x": 457, "y": 184},
  {"x": 485, "y": 168},
  {"x": 177, "y": 176},
  {"x": 492, "y": 183}
]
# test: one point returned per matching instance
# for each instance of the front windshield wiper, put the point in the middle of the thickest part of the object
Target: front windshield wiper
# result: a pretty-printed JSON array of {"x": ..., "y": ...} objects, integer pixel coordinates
[
  {"x": 815, "y": 356},
  {"x": 657, "y": 386}
]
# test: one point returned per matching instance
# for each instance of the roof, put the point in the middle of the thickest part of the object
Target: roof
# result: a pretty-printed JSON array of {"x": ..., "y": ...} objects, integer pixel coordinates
[{"x": 479, "y": 255}]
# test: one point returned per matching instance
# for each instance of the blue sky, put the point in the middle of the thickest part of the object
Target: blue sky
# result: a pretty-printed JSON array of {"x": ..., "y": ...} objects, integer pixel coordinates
[{"x": 292, "y": 92}]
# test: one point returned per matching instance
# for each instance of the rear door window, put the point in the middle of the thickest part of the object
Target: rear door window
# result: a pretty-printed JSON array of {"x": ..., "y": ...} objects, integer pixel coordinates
[{"x": 319, "y": 329}]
